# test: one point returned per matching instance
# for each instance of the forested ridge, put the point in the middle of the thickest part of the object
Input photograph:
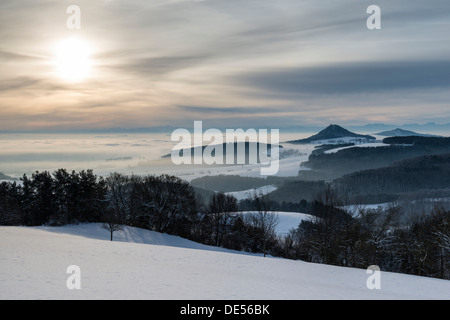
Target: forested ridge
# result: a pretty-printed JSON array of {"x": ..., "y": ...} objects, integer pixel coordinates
[
  {"x": 425, "y": 173},
  {"x": 334, "y": 165},
  {"x": 161, "y": 203}
]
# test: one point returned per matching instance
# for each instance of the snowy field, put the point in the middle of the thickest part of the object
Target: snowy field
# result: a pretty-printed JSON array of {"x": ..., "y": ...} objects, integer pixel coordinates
[
  {"x": 145, "y": 265},
  {"x": 362, "y": 145},
  {"x": 286, "y": 220}
]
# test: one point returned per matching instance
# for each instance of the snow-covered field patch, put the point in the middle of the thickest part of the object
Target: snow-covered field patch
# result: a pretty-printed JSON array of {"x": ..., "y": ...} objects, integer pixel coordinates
[
  {"x": 363, "y": 145},
  {"x": 245, "y": 194},
  {"x": 286, "y": 220}
]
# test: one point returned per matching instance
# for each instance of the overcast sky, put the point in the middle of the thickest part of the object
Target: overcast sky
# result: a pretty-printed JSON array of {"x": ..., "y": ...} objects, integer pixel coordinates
[{"x": 229, "y": 63}]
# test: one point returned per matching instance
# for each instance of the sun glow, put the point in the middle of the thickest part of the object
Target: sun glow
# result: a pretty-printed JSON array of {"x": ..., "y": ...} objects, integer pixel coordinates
[{"x": 73, "y": 59}]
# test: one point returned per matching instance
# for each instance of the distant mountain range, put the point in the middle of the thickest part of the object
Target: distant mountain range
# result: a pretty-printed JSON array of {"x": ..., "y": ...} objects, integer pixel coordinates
[
  {"x": 373, "y": 127},
  {"x": 332, "y": 132},
  {"x": 426, "y": 127},
  {"x": 402, "y": 133}
]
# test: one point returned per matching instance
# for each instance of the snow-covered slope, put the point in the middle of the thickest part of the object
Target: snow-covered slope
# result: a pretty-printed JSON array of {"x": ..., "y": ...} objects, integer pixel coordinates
[
  {"x": 246, "y": 194},
  {"x": 34, "y": 262},
  {"x": 128, "y": 234},
  {"x": 362, "y": 145}
]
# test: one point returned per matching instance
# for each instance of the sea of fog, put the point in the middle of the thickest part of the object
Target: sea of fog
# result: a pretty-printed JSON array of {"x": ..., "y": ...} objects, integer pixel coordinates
[{"x": 126, "y": 153}]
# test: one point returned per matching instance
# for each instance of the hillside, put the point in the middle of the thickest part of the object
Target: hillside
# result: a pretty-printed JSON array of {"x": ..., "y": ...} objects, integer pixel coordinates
[
  {"x": 332, "y": 132},
  {"x": 332, "y": 165},
  {"x": 422, "y": 173},
  {"x": 431, "y": 142},
  {"x": 242, "y": 152},
  {"x": 297, "y": 190},
  {"x": 34, "y": 261},
  {"x": 228, "y": 183},
  {"x": 401, "y": 133}
]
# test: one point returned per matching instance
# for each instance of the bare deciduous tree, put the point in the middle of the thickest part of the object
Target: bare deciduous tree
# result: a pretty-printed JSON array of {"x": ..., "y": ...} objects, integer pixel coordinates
[
  {"x": 221, "y": 208},
  {"x": 263, "y": 219},
  {"x": 111, "y": 227}
]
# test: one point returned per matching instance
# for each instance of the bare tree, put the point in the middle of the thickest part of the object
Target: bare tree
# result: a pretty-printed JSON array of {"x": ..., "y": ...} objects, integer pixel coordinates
[
  {"x": 111, "y": 227},
  {"x": 441, "y": 237},
  {"x": 221, "y": 208},
  {"x": 263, "y": 219},
  {"x": 112, "y": 221},
  {"x": 118, "y": 195}
]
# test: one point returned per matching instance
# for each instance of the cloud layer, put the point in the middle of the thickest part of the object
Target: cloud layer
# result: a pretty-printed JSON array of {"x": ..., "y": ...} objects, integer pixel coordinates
[{"x": 258, "y": 62}]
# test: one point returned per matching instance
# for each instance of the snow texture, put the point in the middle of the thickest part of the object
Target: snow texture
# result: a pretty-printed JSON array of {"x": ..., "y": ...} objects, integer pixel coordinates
[{"x": 142, "y": 264}]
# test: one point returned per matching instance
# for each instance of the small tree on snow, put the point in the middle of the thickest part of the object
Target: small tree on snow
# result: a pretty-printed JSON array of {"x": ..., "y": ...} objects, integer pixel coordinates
[
  {"x": 263, "y": 219},
  {"x": 112, "y": 222},
  {"x": 111, "y": 227}
]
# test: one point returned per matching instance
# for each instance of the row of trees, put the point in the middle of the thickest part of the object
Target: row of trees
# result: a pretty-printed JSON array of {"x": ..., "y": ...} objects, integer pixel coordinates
[
  {"x": 162, "y": 203},
  {"x": 54, "y": 199}
]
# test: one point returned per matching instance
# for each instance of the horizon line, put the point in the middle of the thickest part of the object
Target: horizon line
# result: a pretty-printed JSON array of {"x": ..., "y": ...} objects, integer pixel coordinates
[{"x": 169, "y": 128}]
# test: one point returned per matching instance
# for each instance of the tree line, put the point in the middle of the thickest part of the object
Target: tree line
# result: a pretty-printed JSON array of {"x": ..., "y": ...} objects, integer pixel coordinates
[
  {"x": 161, "y": 203},
  {"x": 335, "y": 235}
]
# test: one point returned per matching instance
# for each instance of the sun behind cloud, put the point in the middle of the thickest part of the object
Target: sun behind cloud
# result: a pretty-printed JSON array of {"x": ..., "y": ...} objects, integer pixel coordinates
[{"x": 72, "y": 59}]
